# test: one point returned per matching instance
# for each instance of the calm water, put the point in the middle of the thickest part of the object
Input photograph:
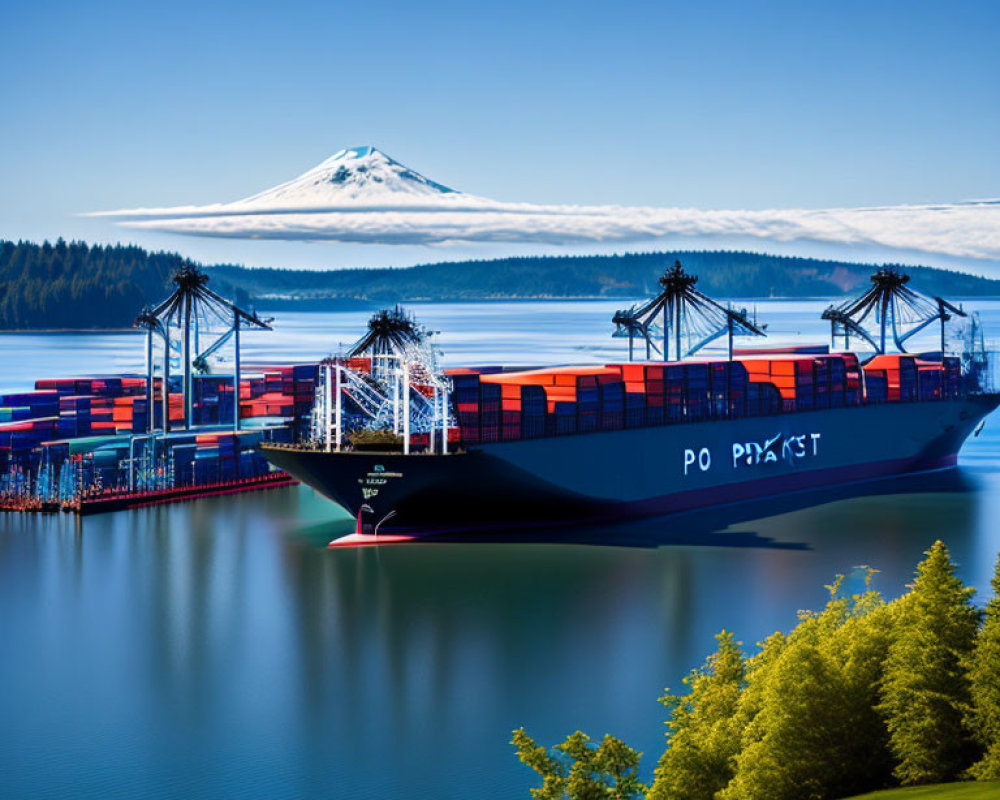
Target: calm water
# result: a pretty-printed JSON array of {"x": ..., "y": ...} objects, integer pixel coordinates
[{"x": 217, "y": 649}]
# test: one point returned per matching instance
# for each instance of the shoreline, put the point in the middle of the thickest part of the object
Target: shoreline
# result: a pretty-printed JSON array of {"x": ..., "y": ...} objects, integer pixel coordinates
[{"x": 432, "y": 301}]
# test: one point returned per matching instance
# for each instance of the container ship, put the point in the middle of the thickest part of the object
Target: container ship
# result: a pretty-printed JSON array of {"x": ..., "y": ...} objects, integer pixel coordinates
[{"x": 411, "y": 450}]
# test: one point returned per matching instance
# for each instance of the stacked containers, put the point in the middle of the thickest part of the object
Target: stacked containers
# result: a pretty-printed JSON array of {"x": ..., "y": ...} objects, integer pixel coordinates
[
  {"x": 212, "y": 395},
  {"x": 612, "y": 400},
  {"x": 102, "y": 418},
  {"x": 588, "y": 403},
  {"x": 634, "y": 378},
  {"x": 645, "y": 396},
  {"x": 831, "y": 380},
  {"x": 489, "y": 412},
  {"x": 299, "y": 381},
  {"x": 793, "y": 377},
  {"x": 563, "y": 416},
  {"x": 19, "y": 438},
  {"x": 929, "y": 380},
  {"x": 763, "y": 398},
  {"x": 727, "y": 389},
  {"x": 506, "y": 406},
  {"x": 901, "y": 375},
  {"x": 534, "y": 403},
  {"x": 31, "y": 404},
  {"x": 269, "y": 404},
  {"x": 465, "y": 397},
  {"x": 76, "y": 408},
  {"x": 876, "y": 386},
  {"x": 74, "y": 415},
  {"x": 635, "y": 409},
  {"x": 821, "y": 383},
  {"x": 951, "y": 377},
  {"x": 286, "y": 391},
  {"x": 838, "y": 382},
  {"x": 182, "y": 456},
  {"x": 852, "y": 373},
  {"x": 795, "y": 380},
  {"x": 656, "y": 395},
  {"x": 533, "y": 410},
  {"x": 673, "y": 380},
  {"x": 14, "y": 413},
  {"x": 510, "y": 409},
  {"x": 129, "y": 414},
  {"x": 697, "y": 391}
]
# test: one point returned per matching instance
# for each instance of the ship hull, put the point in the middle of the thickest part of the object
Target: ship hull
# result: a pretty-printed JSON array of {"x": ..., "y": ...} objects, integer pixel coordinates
[{"x": 622, "y": 474}]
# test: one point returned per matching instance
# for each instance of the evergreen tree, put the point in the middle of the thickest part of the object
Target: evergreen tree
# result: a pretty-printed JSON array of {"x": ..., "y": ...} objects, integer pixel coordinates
[
  {"x": 579, "y": 770},
  {"x": 704, "y": 729},
  {"x": 814, "y": 734},
  {"x": 861, "y": 648},
  {"x": 71, "y": 285},
  {"x": 925, "y": 690},
  {"x": 623, "y": 275},
  {"x": 983, "y": 717}
]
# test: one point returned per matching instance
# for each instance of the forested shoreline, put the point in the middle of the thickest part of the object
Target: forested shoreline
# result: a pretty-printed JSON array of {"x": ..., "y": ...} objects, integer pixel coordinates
[
  {"x": 69, "y": 285},
  {"x": 65, "y": 285},
  {"x": 864, "y": 695},
  {"x": 721, "y": 273}
]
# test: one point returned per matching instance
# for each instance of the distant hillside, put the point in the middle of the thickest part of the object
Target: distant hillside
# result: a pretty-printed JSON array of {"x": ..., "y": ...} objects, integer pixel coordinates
[
  {"x": 74, "y": 285},
  {"x": 630, "y": 275}
]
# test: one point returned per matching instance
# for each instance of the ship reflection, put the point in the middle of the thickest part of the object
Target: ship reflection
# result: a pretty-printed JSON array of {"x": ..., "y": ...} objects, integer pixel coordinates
[
  {"x": 414, "y": 648},
  {"x": 713, "y": 526},
  {"x": 223, "y": 641}
]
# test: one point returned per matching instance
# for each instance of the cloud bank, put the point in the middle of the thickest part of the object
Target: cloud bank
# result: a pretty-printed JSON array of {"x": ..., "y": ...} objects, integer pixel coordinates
[{"x": 363, "y": 196}]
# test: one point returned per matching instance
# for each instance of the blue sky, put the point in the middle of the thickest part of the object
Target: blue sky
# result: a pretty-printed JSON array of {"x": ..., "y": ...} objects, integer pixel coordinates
[{"x": 713, "y": 105}]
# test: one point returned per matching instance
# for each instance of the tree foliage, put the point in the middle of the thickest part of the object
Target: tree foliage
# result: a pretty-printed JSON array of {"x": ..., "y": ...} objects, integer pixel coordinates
[
  {"x": 578, "y": 769},
  {"x": 983, "y": 714},
  {"x": 625, "y": 275},
  {"x": 74, "y": 285},
  {"x": 704, "y": 731},
  {"x": 859, "y": 696},
  {"x": 925, "y": 690},
  {"x": 812, "y": 731}
]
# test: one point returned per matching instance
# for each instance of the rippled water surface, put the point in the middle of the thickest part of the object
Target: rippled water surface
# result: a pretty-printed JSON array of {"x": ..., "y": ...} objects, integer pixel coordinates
[{"x": 218, "y": 649}]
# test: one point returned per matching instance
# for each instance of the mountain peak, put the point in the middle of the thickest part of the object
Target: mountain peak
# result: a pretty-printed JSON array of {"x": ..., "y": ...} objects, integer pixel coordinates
[{"x": 355, "y": 175}]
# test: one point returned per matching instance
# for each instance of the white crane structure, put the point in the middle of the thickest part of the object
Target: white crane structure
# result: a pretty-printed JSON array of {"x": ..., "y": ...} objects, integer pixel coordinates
[{"x": 389, "y": 381}]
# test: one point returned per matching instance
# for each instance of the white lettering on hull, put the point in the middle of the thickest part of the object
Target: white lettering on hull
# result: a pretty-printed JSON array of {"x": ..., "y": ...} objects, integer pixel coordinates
[{"x": 779, "y": 447}]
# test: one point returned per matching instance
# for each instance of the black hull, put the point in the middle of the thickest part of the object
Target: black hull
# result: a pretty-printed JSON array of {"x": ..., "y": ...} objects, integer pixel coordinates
[{"x": 614, "y": 475}]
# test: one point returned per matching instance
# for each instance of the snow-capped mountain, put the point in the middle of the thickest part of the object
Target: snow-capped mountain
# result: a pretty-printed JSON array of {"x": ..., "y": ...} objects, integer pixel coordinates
[
  {"x": 357, "y": 175},
  {"x": 362, "y": 195}
]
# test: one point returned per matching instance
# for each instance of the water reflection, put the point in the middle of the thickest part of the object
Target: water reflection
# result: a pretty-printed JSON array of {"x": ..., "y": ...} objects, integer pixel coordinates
[
  {"x": 449, "y": 646},
  {"x": 217, "y": 648}
]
